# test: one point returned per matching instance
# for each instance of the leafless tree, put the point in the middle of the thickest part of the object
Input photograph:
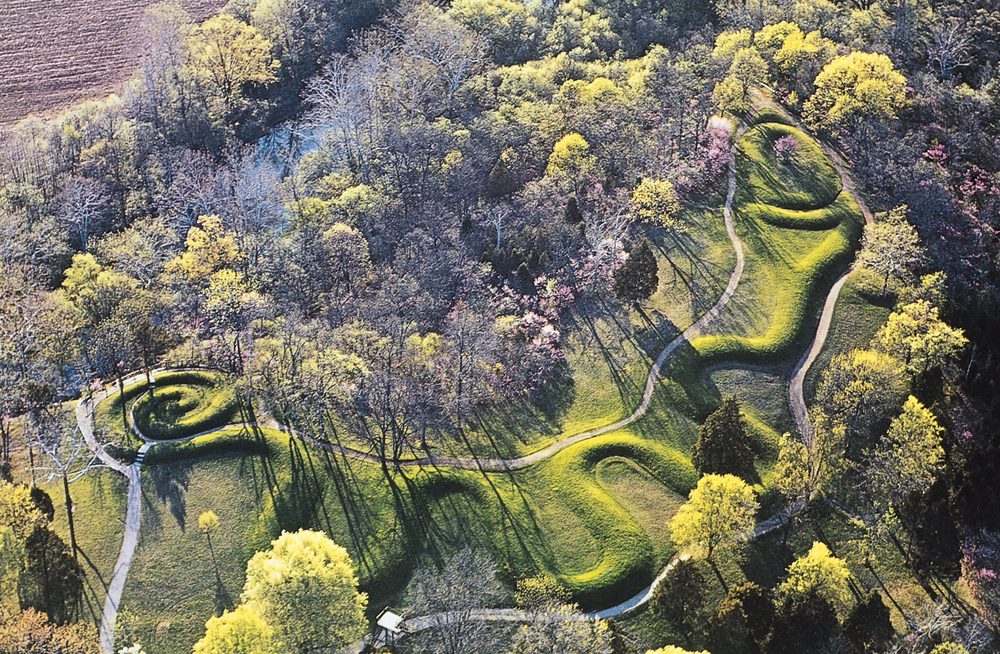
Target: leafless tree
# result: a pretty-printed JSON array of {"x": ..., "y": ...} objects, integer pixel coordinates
[
  {"x": 450, "y": 595},
  {"x": 160, "y": 50},
  {"x": 607, "y": 223},
  {"x": 949, "y": 48},
  {"x": 453, "y": 51},
  {"x": 83, "y": 208},
  {"x": 64, "y": 455}
]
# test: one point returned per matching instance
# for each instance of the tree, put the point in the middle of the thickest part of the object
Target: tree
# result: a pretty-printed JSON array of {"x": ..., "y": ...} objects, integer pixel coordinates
[
  {"x": 207, "y": 248},
  {"x": 637, "y": 279},
  {"x": 790, "y": 633},
  {"x": 240, "y": 631},
  {"x": 742, "y": 620},
  {"x": 229, "y": 55},
  {"x": 571, "y": 161},
  {"x": 465, "y": 583},
  {"x": 748, "y": 69},
  {"x": 868, "y": 626},
  {"x": 83, "y": 207},
  {"x": 565, "y": 630},
  {"x": 718, "y": 509},
  {"x": 907, "y": 459},
  {"x": 305, "y": 588},
  {"x": 723, "y": 445},
  {"x": 925, "y": 341},
  {"x": 29, "y": 632},
  {"x": 891, "y": 247},
  {"x": 541, "y": 592},
  {"x": 654, "y": 201},
  {"x": 673, "y": 649},
  {"x": 818, "y": 572},
  {"x": 858, "y": 391},
  {"x": 679, "y": 599},
  {"x": 853, "y": 85},
  {"x": 55, "y": 578},
  {"x": 949, "y": 647}
]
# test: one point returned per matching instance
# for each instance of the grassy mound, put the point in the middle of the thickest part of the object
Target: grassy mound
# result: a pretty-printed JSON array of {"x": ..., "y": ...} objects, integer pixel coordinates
[
  {"x": 807, "y": 180},
  {"x": 182, "y": 404},
  {"x": 799, "y": 231}
]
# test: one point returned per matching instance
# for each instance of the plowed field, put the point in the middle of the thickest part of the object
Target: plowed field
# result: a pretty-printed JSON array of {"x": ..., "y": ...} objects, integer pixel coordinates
[{"x": 57, "y": 52}]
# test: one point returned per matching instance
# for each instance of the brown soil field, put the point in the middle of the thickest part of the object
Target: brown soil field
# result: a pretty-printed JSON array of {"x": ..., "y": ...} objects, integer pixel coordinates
[{"x": 54, "y": 53}]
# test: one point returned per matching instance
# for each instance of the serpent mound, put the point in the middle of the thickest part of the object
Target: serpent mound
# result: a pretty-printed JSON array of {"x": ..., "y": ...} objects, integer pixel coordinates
[{"x": 182, "y": 404}]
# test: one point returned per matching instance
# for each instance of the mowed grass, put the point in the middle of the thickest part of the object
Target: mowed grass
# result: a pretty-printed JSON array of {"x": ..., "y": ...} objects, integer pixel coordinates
[{"x": 597, "y": 527}]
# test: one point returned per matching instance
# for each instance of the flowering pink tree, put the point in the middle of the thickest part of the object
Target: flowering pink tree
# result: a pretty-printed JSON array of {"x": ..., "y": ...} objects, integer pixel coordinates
[
  {"x": 786, "y": 149},
  {"x": 981, "y": 571}
]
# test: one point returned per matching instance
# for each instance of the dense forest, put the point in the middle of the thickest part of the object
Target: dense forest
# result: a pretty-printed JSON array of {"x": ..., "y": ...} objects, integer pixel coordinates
[{"x": 382, "y": 223}]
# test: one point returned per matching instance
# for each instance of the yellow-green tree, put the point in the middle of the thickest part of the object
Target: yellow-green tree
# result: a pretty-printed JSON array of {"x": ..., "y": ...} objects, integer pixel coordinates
[
  {"x": 305, "y": 588},
  {"x": 859, "y": 389},
  {"x": 891, "y": 247},
  {"x": 241, "y": 631},
  {"x": 571, "y": 160},
  {"x": 226, "y": 54},
  {"x": 818, "y": 572},
  {"x": 916, "y": 333},
  {"x": 747, "y": 70},
  {"x": 720, "y": 508},
  {"x": 207, "y": 248},
  {"x": 673, "y": 649},
  {"x": 861, "y": 83},
  {"x": 907, "y": 459},
  {"x": 655, "y": 201}
]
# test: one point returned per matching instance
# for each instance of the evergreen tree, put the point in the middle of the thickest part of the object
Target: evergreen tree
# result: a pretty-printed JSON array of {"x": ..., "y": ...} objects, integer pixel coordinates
[
  {"x": 680, "y": 597},
  {"x": 723, "y": 445},
  {"x": 868, "y": 626},
  {"x": 637, "y": 279}
]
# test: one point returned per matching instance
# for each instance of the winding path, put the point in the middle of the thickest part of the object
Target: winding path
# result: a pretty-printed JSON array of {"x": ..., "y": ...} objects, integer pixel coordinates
[
  {"x": 133, "y": 504},
  {"x": 84, "y": 413},
  {"x": 796, "y": 400},
  {"x": 499, "y": 465}
]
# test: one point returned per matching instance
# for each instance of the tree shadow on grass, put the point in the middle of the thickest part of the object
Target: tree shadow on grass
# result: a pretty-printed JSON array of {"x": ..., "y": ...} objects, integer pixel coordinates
[{"x": 170, "y": 483}]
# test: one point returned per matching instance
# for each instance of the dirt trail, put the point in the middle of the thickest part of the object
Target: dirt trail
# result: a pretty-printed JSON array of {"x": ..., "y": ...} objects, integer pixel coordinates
[
  {"x": 796, "y": 400},
  {"x": 133, "y": 504}
]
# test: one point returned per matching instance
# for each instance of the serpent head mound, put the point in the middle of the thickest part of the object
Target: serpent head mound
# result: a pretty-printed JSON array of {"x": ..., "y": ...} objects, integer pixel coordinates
[
  {"x": 182, "y": 404},
  {"x": 785, "y": 168}
]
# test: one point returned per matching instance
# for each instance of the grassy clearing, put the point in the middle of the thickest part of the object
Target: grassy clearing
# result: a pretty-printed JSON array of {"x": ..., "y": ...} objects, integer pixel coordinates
[{"x": 808, "y": 180}]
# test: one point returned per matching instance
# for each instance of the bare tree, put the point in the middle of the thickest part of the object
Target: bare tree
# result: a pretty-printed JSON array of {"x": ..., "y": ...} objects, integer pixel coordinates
[
  {"x": 83, "y": 208},
  {"x": 450, "y": 596},
  {"x": 949, "y": 47},
  {"x": 607, "y": 223},
  {"x": 453, "y": 51},
  {"x": 65, "y": 455}
]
